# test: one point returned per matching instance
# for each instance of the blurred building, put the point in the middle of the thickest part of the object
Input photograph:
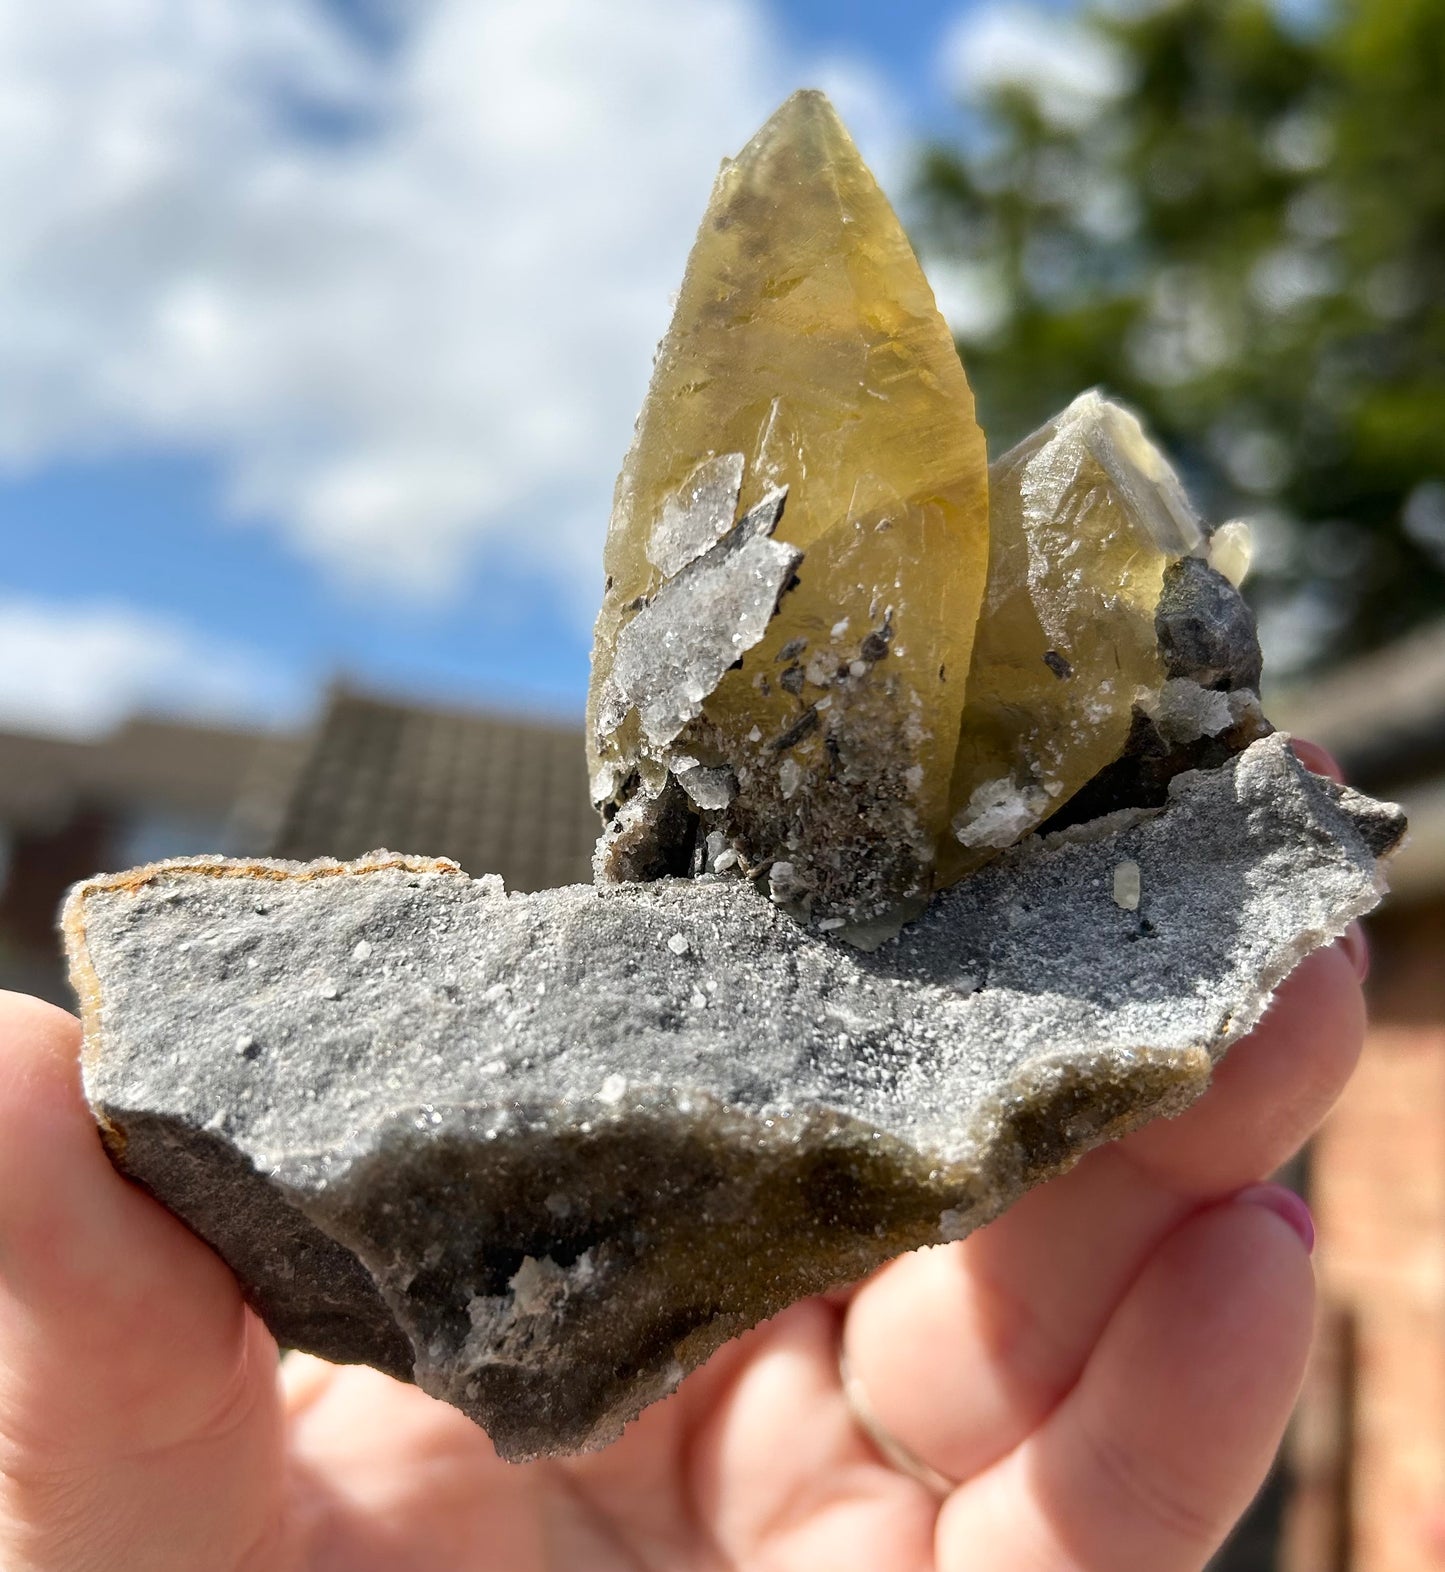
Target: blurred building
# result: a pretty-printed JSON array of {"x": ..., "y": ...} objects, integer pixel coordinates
[
  {"x": 496, "y": 793},
  {"x": 70, "y": 809},
  {"x": 1368, "y": 1452}
]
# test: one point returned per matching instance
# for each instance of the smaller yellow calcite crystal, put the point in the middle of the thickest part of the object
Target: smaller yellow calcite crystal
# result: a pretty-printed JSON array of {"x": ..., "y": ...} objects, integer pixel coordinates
[
  {"x": 1086, "y": 516},
  {"x": 797, "y": 551}
]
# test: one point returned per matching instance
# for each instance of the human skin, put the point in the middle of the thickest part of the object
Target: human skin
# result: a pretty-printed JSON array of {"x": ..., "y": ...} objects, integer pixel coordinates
[{"x": 1106, "y": 1371}]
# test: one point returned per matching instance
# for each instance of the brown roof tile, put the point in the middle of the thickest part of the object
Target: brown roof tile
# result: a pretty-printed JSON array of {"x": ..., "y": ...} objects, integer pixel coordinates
[{"x": 498, "y": 794}]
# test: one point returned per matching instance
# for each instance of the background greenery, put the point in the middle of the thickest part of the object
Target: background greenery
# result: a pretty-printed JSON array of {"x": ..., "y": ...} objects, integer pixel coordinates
[{"x": 1238, "y": 226}]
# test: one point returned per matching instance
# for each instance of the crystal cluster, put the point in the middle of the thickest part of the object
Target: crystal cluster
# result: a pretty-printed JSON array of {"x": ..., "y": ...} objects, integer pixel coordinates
[
  {"x": 836, "y": 655},
  {"x": 542, "y": 1154}
]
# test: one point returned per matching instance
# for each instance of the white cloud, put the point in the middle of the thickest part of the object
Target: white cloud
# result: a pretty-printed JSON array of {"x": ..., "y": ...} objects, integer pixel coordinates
[
  {"x": 1069, "y": 69},
  {"x": 430, "y": 329},
  {"x": 79, "y": 670},
  {"x": 973, "y": 296}
]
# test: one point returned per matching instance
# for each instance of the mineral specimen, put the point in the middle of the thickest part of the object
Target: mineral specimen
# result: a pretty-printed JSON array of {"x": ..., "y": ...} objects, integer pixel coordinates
[
  {"x": 808, "y": 382},
  {"x": 543, "y": 1153}
]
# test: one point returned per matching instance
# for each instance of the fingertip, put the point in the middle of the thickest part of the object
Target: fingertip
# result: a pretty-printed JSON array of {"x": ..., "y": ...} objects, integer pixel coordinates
[
  {"x": 1290, "y": 1208},
  {"x": 44, "y": 1121},
  {"x": 36, "y": 1038},
  {"x": 131, "y": 1371},
  {"x": 26, "y": 1007},
  {"x": 1317, "y": 1015},
  {"x": 1317, "y": 758},
  {"x": 1238, "y": 1277},
  {"x": 110, "y": 1306},
  {"x": 1174, "y": 1423},
  {"x": 1356, "y": 945},
  {"x": 1223, "y": 1312}
]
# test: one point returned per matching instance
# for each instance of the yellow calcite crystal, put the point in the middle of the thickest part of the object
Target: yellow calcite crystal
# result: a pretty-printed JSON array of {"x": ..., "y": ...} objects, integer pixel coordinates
[
  {"x": 1086, "y": 516},
  {"x": 797, "y": 552},
  {"x": 836, "y": 654}
]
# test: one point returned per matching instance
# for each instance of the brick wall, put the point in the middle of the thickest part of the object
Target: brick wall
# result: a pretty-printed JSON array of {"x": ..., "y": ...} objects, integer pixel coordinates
[{"x": 1369, "y": 1442}]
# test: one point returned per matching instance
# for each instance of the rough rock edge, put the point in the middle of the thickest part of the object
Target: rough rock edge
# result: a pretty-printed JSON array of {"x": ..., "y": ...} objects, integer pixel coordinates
[
  {"x": 1039, "y": 1123},
  {"x": 72, "y": 915}
]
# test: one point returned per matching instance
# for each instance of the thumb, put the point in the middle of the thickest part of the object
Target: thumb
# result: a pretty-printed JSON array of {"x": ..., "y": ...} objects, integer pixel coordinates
[{"x": 139, "y": 1418}]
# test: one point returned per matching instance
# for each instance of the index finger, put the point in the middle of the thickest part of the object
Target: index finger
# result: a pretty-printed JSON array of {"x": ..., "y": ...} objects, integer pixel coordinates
[{"x": 138, "y": 1418}]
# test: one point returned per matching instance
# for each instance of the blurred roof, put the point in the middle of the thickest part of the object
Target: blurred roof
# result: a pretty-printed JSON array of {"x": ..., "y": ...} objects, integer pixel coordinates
[
  {"x": 144, "y": 765},
  {"x": 1383, "y": 718},
  {"x": 507, "y": 795},
  {"x": 497, "y": 793}
]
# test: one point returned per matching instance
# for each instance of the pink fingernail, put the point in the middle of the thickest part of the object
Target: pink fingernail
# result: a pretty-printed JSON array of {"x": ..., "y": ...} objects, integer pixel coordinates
[
  {"x": 1354, "y": 943},
  {"x": 1283, "y": 1203},
  {"x": 1316, "y": 758}
]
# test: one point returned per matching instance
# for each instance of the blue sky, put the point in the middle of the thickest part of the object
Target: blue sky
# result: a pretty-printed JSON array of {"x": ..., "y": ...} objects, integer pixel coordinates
[{"x": 322, "y": 350}]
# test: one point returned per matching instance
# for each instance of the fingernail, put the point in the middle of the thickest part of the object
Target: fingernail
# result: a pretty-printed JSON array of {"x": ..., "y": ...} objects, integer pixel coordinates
[
  {"x": 1316, "y": 758},
  {"x": 1354, "y": 943},
  {"x": 1435, "y": 1530},
  {"x": 1283, "y": 1203}
]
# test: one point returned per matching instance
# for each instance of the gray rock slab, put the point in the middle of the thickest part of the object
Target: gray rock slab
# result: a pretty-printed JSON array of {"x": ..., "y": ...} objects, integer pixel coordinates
[{"x": 542, "y": 1154}]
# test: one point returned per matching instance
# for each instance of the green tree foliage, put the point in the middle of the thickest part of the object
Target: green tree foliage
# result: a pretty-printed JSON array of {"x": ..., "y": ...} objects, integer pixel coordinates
[{"x": 1243, "y": 235}]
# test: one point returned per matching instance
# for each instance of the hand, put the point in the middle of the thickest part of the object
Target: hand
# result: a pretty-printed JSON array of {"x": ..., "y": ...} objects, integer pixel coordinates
[{"x": 1105, "y": 1371}]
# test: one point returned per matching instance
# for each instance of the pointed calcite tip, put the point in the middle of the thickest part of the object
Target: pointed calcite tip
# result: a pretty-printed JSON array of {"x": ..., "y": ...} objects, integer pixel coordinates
[
  {"x": 806, "y": 116},
  {"x": 800, "y": 540}
]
